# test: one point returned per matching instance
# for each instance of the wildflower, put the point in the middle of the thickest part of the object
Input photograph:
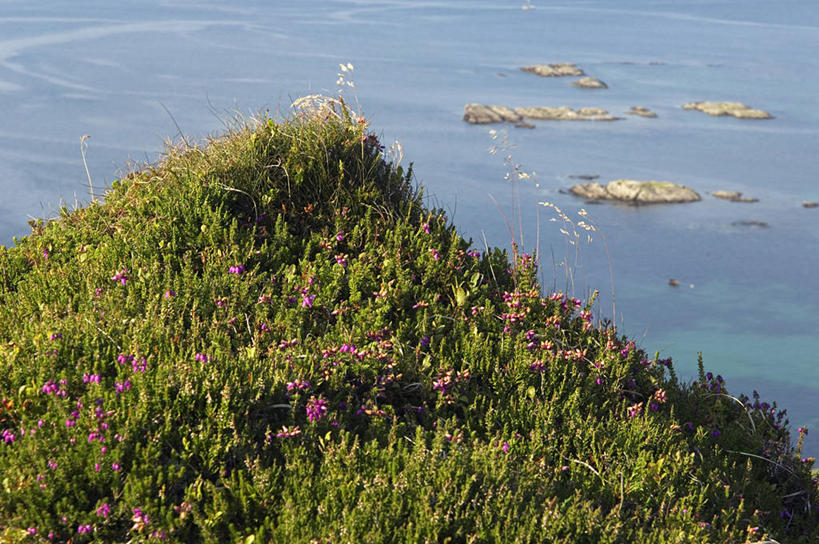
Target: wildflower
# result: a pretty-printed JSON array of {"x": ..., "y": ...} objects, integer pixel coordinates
[
  {"x": 90, "y": 378},
  {"x": 341, "y": 260},
  {"x": 82, "y": 529},
  {"x": 32, "y": 530},
  {"x": 121, "y": 276},
  {"x": 505, "y": 447},
  {"x": 170, "y": 293},
  {"x": 288, "y": 433},
  {"x": 302, "y": 385},
  {"x": 115, "y": 467},
  {"x": 56, "y": 336},
  {"x": 104, "y": 510},
  {"x": 434, "y": 253},
  {"x": 139, "y": 366},
  {"x": 715, "y": 433},
  {"x": 340, "y": 235},
  {"x": 52, "y": 464},
  {"x": 201, "y": 358},
  {"x": 425, "y": 341},
  {"x": 660, "y": 396},
  {"x": 316, "y": 408},
  {"x": 635, "y": 409},
  {"x": 140, "y": 518},
  {"x": 539, "y": 366},
  {"x": 425, "y": 226},
  {"x": 123, "y": 386},
  {"x": 239, "y": 269},
  {"x": 307, "y": 301},
  {"x": 8, "y": 436},
  {"x": 474, "y": 254}
]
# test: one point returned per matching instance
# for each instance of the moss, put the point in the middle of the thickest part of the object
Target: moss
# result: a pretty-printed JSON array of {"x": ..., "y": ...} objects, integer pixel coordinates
[{"x": 270, "y": 338}]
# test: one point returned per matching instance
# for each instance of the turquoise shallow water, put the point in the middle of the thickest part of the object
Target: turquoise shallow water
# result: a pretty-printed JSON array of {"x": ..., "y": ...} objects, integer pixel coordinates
[{"x": 748, "y": 297}]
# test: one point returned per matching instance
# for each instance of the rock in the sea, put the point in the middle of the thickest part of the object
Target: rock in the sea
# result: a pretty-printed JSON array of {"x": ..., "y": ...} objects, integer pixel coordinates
[
  {"x": 589, "y": 83},
  {"x": 641, "y": 111},
  {"x": 733, "y": 196},
  {"x": 559, "y": 69},
  {"x": 564, "y": 113},
  {"x": 480, "y": 114},
  {"x": 636, "y": 192},
  {"x": 807, "y": 204},
  {"x": 734, "y": 109},
  {"x": 584, "y": 177},
  {"x": 758, "y": 224}
]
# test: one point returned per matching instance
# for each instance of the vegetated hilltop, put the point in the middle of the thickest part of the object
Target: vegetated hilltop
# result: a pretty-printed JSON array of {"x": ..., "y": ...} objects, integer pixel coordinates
[{"x": 271, "y": 339}]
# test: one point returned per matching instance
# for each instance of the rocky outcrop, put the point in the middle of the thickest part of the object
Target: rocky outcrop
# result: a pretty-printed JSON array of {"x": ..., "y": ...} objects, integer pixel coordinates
[
  {"x": 641, "y": 111},
  {"x": 807, "y": 204},
  {"x": 589, "y": 83},
  {"x": 480, "y": 114},
  {"x": 564, "y": 113},
  {"x": 755, "y": 224},
  {"x": 733, "y": 196},
  {"x": 560, "y": 69},
  {"x": 636, "y": 192},
  {"x": 734, "y": 109}
]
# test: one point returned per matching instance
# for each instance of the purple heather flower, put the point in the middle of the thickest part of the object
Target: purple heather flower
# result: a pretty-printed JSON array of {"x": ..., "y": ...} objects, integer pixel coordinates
[
  {"x": 139, "y": 366},
  {"x": 104, "y": 510},
  {"x": 434, "y": 253},
  {"x": 715, "y": 433},
  {"x": 124, "y": 386},
  {"x": 341, "y": 260},
  {"x": 115, "y": 467},
  {"x": 425, "y": 341},
  {"x": 121, "y": 276},
  {"x": 505, "y": 447},
  {"x": 82, "y": 529},
  {"x": 307, "y": 301},
  {"x": 201, "y": 358},
  {"x": 316, "y": 408},
  {"x": 340, "y": 235},
  {"x": 8, "y": 436},
  {"x": 56, "y": 336},
  {"x": 32, "y": 530},
  {"x": 425, "y": 226},
  {"x": 170, "y": 293},
  {"x": 239, "y": 269}
]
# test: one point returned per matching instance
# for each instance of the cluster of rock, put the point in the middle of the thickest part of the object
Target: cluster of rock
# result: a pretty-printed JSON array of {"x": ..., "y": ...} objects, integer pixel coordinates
[
  {"x": 734, "y": 109},
  {"x": 483, "y": 114},
  {"x": 733, "y": 196},
  {"x": 589, "y": 83},
  {"x": 636, "y": 192}
]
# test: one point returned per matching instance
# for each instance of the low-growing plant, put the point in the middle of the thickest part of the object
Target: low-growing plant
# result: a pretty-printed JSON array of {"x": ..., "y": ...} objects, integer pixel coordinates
[{"x": 269, "y": 338}]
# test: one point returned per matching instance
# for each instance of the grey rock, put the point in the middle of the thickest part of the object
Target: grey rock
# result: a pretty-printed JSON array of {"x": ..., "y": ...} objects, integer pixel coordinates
[
  {"x": 584, "y": 177},
  {"x": 807, "y": 204},
  {"x": 641, "y": 111},
  {"x": 636, "y": 192},
  {"x": 757, "y": 224},
  {"x": 560, "y": 69},
  {"x": 481, "y": 114},
  {"x": 733, "y": 196},
  {"x": 564, "y": 113},
  {"x": 589, "y": 83},
  {"x": 734, "y": 109}
]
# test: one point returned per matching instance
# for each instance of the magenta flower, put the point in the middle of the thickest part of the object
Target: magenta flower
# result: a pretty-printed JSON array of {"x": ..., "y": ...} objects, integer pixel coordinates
[
  {"x": 56, "y": 336},
  {"x": 123, "y": 386},
  {"x": 121, "y": 276},
  {"x": 202, "y": 358},
  {"x": 307, "y": 301},
  {"x": 316, "y": 408},
  {"x": 32, "y": 530},
  {"x": 239, "y": 269},
  {"x": 288, "y": 433},
  {"x": 635, "y": 409},
  {"x": 8, "y": 436},
  {"x": 505, "y": 447},
  {"x": 104, "y": 510},
  {"x": 82, "y": 529},
  {"x": 340, "y": 235},
  {"x": 170, "y": 293},
  {"x": 115, "y": 467},
  {"x": 425, "y": 226},
  {"x": 434, "y": 253}
]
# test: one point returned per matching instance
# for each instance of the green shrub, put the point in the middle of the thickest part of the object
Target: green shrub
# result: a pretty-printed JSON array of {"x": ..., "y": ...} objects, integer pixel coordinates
[{"x": 271, "y": 338}]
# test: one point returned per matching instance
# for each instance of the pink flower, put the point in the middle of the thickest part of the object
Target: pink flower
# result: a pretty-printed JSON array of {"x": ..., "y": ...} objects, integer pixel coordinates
[
  {"x": 307, "y": 301},
  {"x": 170, "y": 293}
]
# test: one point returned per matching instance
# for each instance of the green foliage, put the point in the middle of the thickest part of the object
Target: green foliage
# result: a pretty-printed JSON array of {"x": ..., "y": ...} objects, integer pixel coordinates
[{"x": 271, "y": 338}]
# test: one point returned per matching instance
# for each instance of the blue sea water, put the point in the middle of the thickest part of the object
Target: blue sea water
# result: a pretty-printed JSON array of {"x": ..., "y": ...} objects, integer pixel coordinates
[{"x": 131, "y": 74}]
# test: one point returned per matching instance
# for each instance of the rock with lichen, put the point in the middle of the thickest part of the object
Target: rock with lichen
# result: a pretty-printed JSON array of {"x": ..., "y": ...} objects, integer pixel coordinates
[
  {"x": 560, "y": 69},
  {"x": 589, "y": 83},
  {"x": 733, "y": 109},
  {"x": 733, "y": 196},
  {"x": 641, "y": 111},
  {"x": 481, "y": 114},
  {"x": 636, "y": 192},
  {"x": 565, "y": 113}
]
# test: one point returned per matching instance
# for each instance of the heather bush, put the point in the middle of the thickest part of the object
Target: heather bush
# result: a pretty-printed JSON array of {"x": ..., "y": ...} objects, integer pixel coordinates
[{"x": 270, "y": 338}]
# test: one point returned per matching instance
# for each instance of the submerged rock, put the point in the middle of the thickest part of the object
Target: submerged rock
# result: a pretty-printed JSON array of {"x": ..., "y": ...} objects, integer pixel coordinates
[
  {"x": 733, "y": 196},
  {"x": 807, "y": 204},
  {"x": 481, "y": 114},
  {"x": 734, "y": 109},
  {"x": 757, "y": 224},
  {"x": 559, "y": 69},
  {"x": 590, "y": 83},
  {"x": 641, "y": 111},
  {"x": 637, "y": 192},
  {"x": 584, "y": 177}
]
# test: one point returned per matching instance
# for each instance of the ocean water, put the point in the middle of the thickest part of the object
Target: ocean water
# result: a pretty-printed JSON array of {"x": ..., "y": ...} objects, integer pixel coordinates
[{"x": 132, "y": 74}]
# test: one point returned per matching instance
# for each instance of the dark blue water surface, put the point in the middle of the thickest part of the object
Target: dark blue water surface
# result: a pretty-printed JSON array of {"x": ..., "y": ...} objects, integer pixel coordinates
[{"x": 747, "y": 296}]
